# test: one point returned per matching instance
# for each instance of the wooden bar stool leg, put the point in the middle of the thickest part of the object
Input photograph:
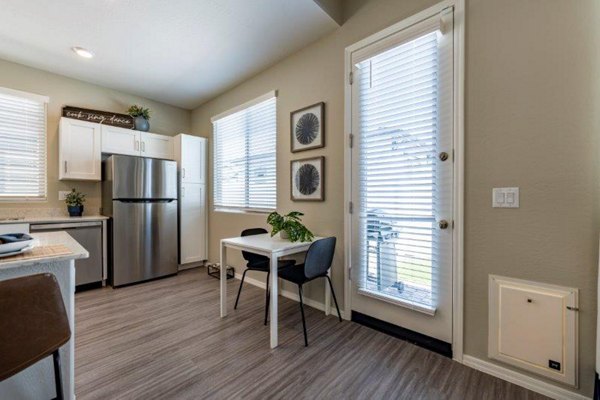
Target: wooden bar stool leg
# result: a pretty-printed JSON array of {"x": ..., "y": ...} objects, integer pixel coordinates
[{"x": 57, "y": 375}]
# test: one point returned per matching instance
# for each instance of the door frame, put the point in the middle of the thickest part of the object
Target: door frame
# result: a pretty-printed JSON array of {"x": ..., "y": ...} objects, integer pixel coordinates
[{"x": 458, "y": 141}]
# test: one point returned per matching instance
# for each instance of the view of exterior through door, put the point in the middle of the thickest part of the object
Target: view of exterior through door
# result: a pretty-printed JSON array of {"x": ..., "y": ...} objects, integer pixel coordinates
[{"x": 402, "y": 177}]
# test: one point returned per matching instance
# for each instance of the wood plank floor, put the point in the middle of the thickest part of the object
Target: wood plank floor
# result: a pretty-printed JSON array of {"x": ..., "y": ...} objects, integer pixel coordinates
[{"x": 164, "y": 340}]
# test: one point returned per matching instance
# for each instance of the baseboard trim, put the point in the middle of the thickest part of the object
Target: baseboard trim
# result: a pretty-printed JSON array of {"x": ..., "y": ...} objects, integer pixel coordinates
[
  {"x": 526, "y": 381},
  {"x": 288, "y": 294},
  {"x": 416, "y": 338}
]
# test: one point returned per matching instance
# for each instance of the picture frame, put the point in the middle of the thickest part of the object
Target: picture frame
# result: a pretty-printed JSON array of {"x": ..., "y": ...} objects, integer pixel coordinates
[
  {"x": 307, "y": 128},
  {"x": 307, "y": 179}
]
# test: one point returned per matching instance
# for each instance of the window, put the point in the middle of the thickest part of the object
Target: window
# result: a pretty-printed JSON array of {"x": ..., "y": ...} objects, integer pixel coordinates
[
  {"x": 22, "y": 146},
  {"x": 244, "y": 157}
]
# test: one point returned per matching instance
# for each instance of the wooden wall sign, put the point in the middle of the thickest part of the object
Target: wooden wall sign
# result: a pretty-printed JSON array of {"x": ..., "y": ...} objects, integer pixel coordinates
[{"x": 99, "y": 117}]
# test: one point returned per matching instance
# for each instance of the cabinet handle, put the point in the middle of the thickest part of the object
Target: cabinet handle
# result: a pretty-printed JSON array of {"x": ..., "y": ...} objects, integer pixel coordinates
[
  {"x": 183, "y": 172},
  {"x": 137, "y": 145},
  {"x": 144, "y": 147},
  {"x": 183, "y": 192},
  {"x": 65, "y": 167}
]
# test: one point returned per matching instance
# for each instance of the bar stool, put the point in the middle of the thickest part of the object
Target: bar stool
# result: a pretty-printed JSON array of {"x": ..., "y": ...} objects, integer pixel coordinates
[{"x": 33, "y": 325}]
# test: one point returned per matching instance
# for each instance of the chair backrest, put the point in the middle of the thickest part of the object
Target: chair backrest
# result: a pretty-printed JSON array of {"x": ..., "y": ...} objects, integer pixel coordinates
[
  {"x": 33, "y": 321},
  {"x": 319, "y": 257},
  {"x": 251, "y": 257}
]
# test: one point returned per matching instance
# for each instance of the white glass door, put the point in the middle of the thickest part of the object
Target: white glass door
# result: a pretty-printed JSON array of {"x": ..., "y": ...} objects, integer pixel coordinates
[{"x": 402, "y": 178}]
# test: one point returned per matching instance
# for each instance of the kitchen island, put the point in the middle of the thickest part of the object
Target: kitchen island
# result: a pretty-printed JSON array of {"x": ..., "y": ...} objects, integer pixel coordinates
[{"x": 56, "y": 253}]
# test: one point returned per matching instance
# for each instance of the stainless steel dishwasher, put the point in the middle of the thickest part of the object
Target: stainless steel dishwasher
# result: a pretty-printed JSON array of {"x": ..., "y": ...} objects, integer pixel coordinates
[{"x": 88, "y": 235}]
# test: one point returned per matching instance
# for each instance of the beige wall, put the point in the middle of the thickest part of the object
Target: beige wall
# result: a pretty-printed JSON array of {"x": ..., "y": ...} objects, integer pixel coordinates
[
  {"x": 532, "y": 101},
  {"x": 63, "y": 91}
]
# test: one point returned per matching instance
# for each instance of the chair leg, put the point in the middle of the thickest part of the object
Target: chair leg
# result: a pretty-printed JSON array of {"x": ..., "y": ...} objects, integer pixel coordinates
[
  {"x": 57, "y": 375},
  {"x": 240, "y": 290},
  {"x": 334, "y": 299},
  {"x": 303, "y": 319},
  {"x": 267, "y": 298}
]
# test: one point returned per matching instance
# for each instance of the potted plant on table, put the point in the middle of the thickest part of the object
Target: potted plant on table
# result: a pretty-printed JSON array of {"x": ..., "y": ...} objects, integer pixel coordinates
[
  {"x": 141, "y": 117},
  {"x": 289, "y": 226},
  {"x": 75, "y": 202}
]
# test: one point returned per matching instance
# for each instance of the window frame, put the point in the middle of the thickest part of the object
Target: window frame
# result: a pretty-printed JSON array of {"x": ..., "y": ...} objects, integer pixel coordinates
[
  {"x": 242, "y": 107},
  {"x": 45, "y": 100}
]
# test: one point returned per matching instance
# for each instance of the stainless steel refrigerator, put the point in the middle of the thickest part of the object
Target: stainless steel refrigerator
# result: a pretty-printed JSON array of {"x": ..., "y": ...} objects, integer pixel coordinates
[{"x": 140, "y": 197}]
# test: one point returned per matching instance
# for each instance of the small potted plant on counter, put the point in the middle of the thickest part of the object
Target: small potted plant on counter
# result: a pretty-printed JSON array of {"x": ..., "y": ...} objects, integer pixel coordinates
[
  {"x": 289, "y": 226},
  {"x": 75, "y": 202},
  {"x": 141, "y": 117}
]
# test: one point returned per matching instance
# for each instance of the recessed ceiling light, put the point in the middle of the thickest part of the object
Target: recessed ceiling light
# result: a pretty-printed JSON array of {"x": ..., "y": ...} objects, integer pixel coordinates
[{"x": 81, "y": 52}]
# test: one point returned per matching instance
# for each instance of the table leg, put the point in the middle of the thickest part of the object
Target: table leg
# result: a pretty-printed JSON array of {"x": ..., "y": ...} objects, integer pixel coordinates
[
  {"x": 223, "y": 280},
  {"x": 273, "y": 305},
  {"x": 327, "y": 295}
]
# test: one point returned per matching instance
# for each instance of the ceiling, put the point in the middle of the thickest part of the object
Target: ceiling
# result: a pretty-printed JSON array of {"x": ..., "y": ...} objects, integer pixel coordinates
[{"x": 180, "y": 52}]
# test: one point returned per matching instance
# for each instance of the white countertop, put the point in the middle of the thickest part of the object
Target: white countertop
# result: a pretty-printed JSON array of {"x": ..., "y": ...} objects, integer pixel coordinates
[
  {"x": 46, "y": 239},
  {"x": 47, "y": 220}
]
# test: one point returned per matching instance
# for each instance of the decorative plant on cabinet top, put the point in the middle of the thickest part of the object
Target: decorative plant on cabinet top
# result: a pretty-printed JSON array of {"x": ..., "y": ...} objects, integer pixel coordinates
[{"x": 141, "y": 117}]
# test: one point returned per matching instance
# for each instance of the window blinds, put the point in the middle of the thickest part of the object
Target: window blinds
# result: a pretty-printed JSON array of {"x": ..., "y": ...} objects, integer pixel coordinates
[
  {"x": 22, "y": 146},
  {"x": 398, "y": 177},
  {"x": 244, "y": 158}
]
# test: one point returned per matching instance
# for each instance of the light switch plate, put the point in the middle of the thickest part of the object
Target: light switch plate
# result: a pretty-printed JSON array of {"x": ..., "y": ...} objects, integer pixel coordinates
[
  {"x": 505, "y": 197},
  {"x": 62, "y": 194}
]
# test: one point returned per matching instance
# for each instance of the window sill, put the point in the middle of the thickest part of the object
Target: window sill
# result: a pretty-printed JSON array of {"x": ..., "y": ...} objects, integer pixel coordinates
[
  {"x": 22, "y": 200},
  {"x": 241, "y": 211},
  {"x": 398, "y": 302}
]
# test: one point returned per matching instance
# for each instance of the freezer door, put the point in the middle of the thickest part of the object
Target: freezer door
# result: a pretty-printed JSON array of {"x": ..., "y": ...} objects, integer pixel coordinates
[
  {"x": 144, "y": 241},
  {"x": 143, "y": 178}
]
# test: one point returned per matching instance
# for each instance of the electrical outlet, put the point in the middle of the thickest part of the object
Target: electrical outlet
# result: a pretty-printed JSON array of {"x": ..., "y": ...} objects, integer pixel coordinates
[{"x": 62, "y": 194}]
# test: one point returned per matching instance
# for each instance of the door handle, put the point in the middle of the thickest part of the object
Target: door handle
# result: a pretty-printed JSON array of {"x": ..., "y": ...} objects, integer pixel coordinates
[
  {"x": 183, "y": 172},
  {"x": 183, "y": 192},
  {"x": 137, "y": 145},
  {"x": 143, "y": 146},
  {"x": 443, "y": 224},
  {"x": 65, "y": 167}
]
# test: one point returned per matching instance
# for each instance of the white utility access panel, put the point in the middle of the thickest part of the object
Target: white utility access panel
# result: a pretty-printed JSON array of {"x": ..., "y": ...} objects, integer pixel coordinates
[
  {"x": 534, "y": 326},
  {"x": 505, "y": 197}
]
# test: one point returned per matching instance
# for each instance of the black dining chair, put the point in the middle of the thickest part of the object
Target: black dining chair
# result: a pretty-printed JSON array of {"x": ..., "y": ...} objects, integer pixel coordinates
[
  {"x": 256, "y": 262},
  {"x": 316, "y": 265}
]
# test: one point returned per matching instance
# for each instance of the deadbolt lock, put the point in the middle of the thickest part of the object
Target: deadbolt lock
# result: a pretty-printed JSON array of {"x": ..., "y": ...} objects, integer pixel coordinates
[
  {"x": 443, "y": 224},
  {"x": 443, "y": 156}
]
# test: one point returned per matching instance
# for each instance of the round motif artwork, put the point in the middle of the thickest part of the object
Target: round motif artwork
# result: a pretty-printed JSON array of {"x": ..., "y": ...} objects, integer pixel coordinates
[
  {"x": 307, "y": 179},
  {"x": 307, "y": 128}
]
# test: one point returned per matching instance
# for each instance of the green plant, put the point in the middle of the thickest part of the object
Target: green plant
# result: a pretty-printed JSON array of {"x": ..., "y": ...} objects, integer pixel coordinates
[
  {"x": 75, "y": 198},
  {"x": 290, "y": 224},
  {"x": 139, "y": 111}
]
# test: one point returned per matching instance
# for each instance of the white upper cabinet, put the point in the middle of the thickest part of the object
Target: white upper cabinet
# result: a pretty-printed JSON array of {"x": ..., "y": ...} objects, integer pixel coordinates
[
  {"x": 79, "y": 150},
  {"x": 135, "y": 143},
  {"x": 190, "y": 153},
  {"x": 157, "y": 146},
  {"x": 117, "y": 140}
]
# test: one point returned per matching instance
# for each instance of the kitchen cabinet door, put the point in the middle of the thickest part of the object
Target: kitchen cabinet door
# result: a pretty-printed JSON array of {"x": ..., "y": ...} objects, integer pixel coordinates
[
  {"x": 192, "y": 223},
  {"x": 193, "y": 159},
  {"x": 156, "y": 146},
  {"x": 79, "y": 150},
  {"x": 117, "y": 140}
]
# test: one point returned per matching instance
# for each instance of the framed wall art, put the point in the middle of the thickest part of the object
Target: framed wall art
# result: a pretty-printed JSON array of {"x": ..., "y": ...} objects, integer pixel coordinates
[
  {"x": 308, "y": 128},
  {"x": 308, "y": 179}
]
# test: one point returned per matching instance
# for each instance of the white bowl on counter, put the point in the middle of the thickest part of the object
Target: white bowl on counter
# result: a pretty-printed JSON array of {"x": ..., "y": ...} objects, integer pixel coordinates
[{"x": 14, "y": 242}]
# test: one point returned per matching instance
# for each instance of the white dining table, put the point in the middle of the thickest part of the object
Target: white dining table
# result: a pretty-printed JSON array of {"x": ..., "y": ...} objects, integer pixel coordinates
[{"x": 274, "y": 248}]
